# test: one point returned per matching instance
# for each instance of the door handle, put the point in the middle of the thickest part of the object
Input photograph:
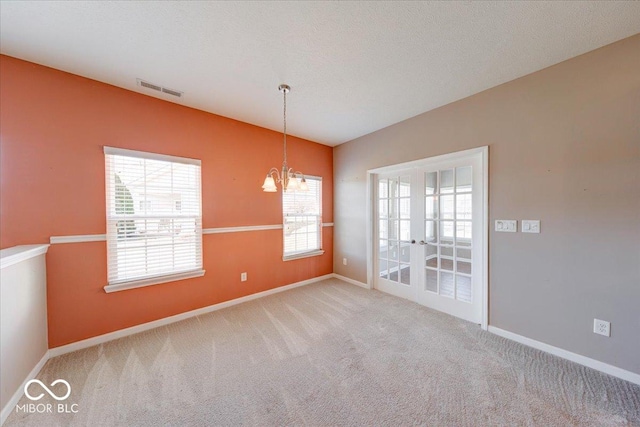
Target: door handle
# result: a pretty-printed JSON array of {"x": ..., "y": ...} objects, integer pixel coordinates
[
  {"x": 422, "y": 242},
  {"x": 413, "y": 242}
]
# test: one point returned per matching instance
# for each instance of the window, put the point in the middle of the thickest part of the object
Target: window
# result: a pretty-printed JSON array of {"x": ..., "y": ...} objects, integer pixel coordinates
[
  {"x": 302, "y": 221},
  {"x": 154, "y": 218}
]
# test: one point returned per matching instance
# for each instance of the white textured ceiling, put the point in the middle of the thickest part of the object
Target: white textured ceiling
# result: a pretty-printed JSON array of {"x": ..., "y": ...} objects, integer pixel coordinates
[{"x": 354, "y": 67}]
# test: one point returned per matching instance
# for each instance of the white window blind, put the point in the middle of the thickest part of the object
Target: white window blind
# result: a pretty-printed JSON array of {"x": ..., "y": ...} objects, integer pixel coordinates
[
  {"x": 302, "y": 212},
  {"x": 154, "y": 215}
]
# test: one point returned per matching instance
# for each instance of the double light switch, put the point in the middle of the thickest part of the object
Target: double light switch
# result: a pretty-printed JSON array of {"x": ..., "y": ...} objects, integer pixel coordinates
[
  {"x": 507, "y": 225},
  {"x": 511, "y": 225},
  {"x": 530, "y": 226}
]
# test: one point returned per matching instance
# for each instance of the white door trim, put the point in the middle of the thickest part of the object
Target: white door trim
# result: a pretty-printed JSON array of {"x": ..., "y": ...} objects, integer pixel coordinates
[
  {"x": 484, "y": 151},
  {"x": 370, "y": 229}
]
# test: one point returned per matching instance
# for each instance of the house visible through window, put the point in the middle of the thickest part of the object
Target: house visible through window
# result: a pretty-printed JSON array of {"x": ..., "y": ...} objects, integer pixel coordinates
[
  {"x": 302, "y": 220},
  {"x": 154, "y": 219}
]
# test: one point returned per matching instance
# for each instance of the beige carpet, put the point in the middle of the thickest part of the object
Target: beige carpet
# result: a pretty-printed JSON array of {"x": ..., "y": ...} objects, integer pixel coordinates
[{"x": 329, "y": 354}]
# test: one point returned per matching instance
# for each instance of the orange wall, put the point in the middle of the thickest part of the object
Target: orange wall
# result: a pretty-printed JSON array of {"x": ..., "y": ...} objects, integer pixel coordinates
[{"x": 53, "y": 126}]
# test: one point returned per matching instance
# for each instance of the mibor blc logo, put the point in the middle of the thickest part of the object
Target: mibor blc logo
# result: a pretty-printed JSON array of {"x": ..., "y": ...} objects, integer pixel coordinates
[
  {"x": 50, "y": 408},
  {"x": 52, "y": 394}
]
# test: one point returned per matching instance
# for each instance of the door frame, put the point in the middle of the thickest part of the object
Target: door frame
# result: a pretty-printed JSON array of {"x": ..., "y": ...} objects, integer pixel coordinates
[{"x": 483, "y": 152}]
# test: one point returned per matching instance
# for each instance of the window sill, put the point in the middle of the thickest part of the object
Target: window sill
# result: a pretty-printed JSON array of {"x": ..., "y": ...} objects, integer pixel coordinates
[
  {"x": 123, "y": 286},
  {"x": 302, "y": 255}
]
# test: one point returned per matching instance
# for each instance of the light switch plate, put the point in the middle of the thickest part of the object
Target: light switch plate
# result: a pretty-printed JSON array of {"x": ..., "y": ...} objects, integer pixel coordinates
[
  {"x": 507, "y": 225},
  {"x": 530, "y": 226}
]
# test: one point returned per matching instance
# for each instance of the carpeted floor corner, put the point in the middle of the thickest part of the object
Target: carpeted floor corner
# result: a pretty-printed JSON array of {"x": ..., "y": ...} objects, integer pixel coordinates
[{"x": 329, "y": 354}]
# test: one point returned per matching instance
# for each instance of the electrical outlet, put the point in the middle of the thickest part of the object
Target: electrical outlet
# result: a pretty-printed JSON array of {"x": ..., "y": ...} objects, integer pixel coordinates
[
  {"x": 344, "y": 261},
  {"x": 243, "y": 277},
  {"x": 601, "y": 327}
]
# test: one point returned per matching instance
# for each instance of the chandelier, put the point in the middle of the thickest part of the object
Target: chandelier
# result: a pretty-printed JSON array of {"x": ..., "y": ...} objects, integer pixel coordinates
[{"x": 290, "y": 180}]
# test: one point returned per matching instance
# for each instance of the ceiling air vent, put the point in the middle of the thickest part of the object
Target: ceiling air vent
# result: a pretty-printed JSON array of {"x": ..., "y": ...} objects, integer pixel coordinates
[
  {"x": 172, "y": 92},
  {"x": 160, "y": 88}
]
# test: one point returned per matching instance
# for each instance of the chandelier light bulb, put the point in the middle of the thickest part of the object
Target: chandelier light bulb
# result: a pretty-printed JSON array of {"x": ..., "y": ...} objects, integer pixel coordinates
[
  {"x": 269, "y": 185},
  {"x": 303, "y": 185},
  {"x": 292, "y": 185}
]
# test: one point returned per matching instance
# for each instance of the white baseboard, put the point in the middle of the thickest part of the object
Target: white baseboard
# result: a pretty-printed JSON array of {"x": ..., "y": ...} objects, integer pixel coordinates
[
  {"x": 353, "y": 282},
  {"x": 6, "y": 411},
  {"x": 90, "y": 342},
  {"x": 565, "y": 354}
]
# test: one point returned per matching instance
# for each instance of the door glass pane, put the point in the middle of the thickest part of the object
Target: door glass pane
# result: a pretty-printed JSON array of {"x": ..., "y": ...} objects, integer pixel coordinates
[
  {"x": 382, "y": 248},
  {"x": 446, "y": 284},
  {"x": 463, "y": 206},
  {"x": 463, "y": 267},
  {"x": 405, "y": 186},
  {"x": 393, "y": 251},
  {"x": 405, "y": 252},
  {"x": 382, "y": 268},
  {"x": 383, "y": 228},
  {"x": 393, "y": 229},
  {"x": 431, "y": 256},
  {"x": 463, "y": 232},
  {"x": 463, "y": 288},
  {"x": 393, "y": 187},
  {"x": 430, "y": 232},
  {"x": 446, "y": 232},
  {"x": 383, "y": 187},
  {"x": 463, "y": 179},
  {"x": 383, "y": 208},
  {"x": 431, "y": 281},
  {"x": 463, "y": 253},
  {"x": 393, "y": 208},
  {"x": 446, "y": 207},
  {"x": 432, "y": 262},
  {"x": 446, "y": 181},
  {"x": 431, "y": 207},
  {"x": 431, "y": 183},
  {"x": 405, "y": 208},
  {"x": 393, "y": 271},
  {"x": 405, "y": 230},
  {"x": 446, "y": 251},
  {"x": 465, "y": 243},
  {"x": 405, "y": 274},
  {"x": 446, "y": 264}
]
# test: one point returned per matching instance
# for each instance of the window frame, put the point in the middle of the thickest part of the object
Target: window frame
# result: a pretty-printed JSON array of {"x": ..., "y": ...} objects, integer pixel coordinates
[
  {"x": 306, "y": 253},
  {"x": 151, "y": 279}
]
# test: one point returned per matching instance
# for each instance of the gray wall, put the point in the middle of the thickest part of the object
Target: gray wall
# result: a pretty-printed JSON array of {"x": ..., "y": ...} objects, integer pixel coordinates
[{"x": 564, "y": 147}]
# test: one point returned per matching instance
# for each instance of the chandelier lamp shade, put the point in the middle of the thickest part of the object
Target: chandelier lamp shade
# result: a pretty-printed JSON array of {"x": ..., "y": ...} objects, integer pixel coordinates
[{"x": 290, "y": 180}]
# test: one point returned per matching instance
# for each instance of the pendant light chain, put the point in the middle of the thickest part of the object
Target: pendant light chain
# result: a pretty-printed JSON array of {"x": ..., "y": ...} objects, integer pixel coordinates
[{"x": 284, "y": 92}]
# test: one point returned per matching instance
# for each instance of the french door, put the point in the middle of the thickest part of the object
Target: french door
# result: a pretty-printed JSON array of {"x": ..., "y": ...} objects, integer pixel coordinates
[
  {"x": 430, "y": 236},
  {"x": 396, "y": 264}
]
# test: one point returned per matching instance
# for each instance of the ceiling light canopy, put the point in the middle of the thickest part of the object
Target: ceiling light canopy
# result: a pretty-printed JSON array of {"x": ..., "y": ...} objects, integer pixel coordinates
[{"x": 290, "y": 180}]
